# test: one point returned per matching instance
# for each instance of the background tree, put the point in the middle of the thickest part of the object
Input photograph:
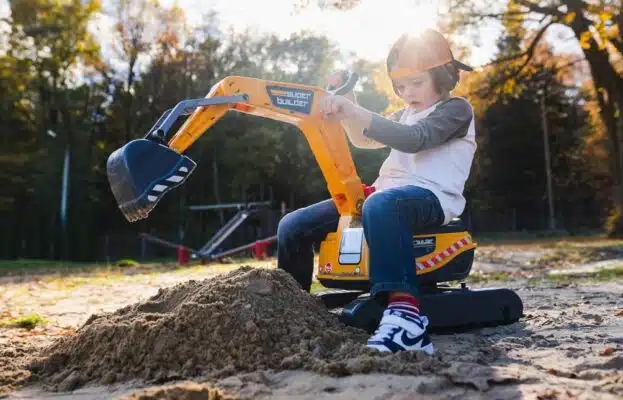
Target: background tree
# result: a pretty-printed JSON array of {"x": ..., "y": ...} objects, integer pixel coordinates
[
  {"x": 56, "y": 76},
  {"x": 49, "y": 43}
]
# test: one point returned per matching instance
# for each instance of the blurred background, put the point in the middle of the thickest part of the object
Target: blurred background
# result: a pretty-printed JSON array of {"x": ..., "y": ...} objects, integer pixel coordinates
[{"x": 80, "y": 78}]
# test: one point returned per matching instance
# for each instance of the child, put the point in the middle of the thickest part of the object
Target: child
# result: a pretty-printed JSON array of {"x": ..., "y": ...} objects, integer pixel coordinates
[{"x": 420, "y": 184}]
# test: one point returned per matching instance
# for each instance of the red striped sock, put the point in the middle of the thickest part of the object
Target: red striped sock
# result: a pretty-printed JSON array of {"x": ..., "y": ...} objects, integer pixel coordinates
[{"x": 405, "y": 303}]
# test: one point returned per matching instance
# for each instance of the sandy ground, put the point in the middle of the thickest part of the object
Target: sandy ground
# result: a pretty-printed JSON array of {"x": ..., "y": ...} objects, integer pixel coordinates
[{"x": 569, "y": 344}]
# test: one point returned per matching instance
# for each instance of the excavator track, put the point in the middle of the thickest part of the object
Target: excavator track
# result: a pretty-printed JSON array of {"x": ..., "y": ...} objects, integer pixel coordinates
[{"x": 447, "y": 309}]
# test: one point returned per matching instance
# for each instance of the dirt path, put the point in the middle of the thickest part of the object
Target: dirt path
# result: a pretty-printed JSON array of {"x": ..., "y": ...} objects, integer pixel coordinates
[{"x": 568, "y": 346}]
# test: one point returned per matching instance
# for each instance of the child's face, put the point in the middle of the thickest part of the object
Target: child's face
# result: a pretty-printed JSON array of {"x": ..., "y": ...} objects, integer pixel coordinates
[{"x": 418, "y": 90}]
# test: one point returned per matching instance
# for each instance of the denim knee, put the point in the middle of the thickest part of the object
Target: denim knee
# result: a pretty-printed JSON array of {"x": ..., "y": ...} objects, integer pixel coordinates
[
  {"x": 287, "y": 227},
  {"x": 377, "y": 206}
]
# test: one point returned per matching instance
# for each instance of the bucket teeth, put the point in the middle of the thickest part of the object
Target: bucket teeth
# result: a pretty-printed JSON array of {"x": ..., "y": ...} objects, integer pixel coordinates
[
  {"x": 134, "y": 213},
  {"x": 140, "y": 209}
]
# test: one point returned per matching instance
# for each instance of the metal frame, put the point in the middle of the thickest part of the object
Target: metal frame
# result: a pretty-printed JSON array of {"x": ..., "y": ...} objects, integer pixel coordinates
[
  {"x": 166, "y": 243},
  {"x": 167, "y": 119},
  {"x": 247, "y": 246},
  {"x": 238, "y": 206},
  {"x": 244, "y": 211},
  {"x": 219, "y": 237}
]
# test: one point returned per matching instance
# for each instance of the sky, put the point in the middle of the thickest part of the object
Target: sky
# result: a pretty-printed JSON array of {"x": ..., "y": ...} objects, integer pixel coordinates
[{"x": 368, "y": 30}]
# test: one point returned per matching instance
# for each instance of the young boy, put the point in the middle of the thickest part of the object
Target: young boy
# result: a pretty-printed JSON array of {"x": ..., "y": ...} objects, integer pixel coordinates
[{"x": 420, "y": 184}]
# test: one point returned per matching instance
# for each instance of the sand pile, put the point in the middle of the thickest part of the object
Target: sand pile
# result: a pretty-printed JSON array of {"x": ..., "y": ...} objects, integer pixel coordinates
[
  {"x": 246, "y": 320},
  {"x": 13, "y": 356}
]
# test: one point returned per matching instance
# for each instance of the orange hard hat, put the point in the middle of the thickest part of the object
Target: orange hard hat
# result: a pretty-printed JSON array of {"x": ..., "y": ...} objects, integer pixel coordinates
[{"x": 415, "y": 53}]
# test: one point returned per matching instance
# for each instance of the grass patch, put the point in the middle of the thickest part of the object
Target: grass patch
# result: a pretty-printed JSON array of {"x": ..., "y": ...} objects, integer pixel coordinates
[
  {"x": 602, "y": 275},
  {"x": 29, "y": 321},
  {"x": 577, "y": 253},
  {"x": 592, "y": 243},
  {"x": 31, "y": 263},
  {"x": 27, "y": 263},
  {"x": 607, "y": 274},
  {"x": 492, "y": 276},
  {"x": 73, "y": 282},
  {"x": 53, "y": 267},
  {"x": 546, "y": 240},
  {"x": 127, "y": 263},
  {"x": 27, "y": 267},
  {"x": 317, "y": 287}
]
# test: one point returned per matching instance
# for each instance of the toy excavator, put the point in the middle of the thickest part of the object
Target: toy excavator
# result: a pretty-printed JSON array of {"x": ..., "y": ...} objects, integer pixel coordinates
[{"x": 143, "y": 170}]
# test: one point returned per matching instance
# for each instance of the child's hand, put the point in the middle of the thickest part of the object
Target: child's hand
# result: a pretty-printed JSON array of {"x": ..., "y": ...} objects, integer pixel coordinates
[
  {"x": 335, "y": 80},
  {"x": 344, "y": 107},
  {"x": 337, "y": 108}
]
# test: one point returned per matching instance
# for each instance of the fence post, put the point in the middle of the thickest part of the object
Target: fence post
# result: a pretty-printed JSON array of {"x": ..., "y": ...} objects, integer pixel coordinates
[
  {"x": 143, "y": 249},
  {"x": 107, "y": 249}
]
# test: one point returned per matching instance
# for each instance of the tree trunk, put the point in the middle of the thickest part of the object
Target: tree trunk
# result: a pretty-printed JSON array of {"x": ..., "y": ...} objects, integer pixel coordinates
[
  {"x": 609, "y": 89},
  {"x": 216, "y": 186},
  {"x": 128, "y": 96}
]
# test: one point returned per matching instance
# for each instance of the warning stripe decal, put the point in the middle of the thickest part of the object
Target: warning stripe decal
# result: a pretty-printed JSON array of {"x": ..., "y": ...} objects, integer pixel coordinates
[{"x": 439, "y": 258}]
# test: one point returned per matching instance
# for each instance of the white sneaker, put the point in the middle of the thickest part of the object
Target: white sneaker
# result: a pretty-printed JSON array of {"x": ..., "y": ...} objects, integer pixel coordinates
[{"x": 400, "y": 331}]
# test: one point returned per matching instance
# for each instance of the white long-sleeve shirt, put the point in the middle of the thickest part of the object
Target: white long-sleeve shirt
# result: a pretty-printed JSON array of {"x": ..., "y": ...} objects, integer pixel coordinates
[{"x": 433, "y": 149}]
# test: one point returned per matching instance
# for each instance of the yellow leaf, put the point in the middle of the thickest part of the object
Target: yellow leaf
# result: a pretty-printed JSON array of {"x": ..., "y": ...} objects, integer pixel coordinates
[
  {"x": 605, "y": 16},
  {"x": 509, "y": 86},
  {"x": 569, "y": 17},
  {"x": 607, "y": 351},
  {"x": 585, "y": 39},
  {"x": 602, "y": 35}
]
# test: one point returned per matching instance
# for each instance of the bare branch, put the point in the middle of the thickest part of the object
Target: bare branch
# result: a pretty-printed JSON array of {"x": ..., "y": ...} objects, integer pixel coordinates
[
  {"x": 618, "y": 41},
  {"x": 487, "y": 91},
  {"x": 534, "y": 7},
  {"x": 569, "y": 64},
  {"x": 515, "y": 17},
  {"x": 528, "y": 52},
  {"x": 506, "y": 14}
]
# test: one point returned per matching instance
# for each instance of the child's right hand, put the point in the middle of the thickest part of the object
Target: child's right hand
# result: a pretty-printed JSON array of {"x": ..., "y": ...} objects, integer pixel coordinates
[{"x": 337, "y": 79}]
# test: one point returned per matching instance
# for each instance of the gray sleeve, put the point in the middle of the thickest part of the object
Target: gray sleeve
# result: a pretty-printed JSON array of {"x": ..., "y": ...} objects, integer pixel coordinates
[
  {"x": 451, "y": 119},
  {"x": 396, "y": 115}
]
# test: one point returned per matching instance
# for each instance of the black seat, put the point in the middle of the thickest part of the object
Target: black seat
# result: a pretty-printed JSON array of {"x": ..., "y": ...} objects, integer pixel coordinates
[{"x": 455, "y": 225}]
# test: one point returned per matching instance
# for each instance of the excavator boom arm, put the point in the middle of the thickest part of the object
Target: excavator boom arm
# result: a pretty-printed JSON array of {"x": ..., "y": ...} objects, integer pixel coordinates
[{"x": 291, "y": 103}]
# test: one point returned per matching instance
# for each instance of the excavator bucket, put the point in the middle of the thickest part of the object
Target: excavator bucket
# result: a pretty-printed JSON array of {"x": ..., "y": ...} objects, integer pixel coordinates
[{"x": 141, "y": 172}]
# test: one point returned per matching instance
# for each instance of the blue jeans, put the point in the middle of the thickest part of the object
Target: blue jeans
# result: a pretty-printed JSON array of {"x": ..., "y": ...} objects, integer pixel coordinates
[{"x": 390, "y": 218}]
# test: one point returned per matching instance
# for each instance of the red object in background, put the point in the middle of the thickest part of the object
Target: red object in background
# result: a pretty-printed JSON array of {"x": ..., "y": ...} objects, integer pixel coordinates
[
  {"x": 183, "y": 255},
  {"x": 368, "y": 190},
  {"x": 260, "y": 249}
]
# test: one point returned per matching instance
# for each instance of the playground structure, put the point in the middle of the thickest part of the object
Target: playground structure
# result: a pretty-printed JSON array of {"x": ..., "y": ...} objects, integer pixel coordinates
[{"x": 210, "y": 250}]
